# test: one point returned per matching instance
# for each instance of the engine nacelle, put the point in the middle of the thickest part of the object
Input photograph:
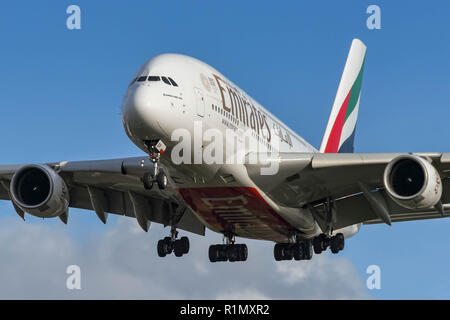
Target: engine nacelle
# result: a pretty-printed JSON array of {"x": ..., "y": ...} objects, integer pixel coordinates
[
  {"x": 39, "y": 191},
  {"x": 413, "y": 182}
]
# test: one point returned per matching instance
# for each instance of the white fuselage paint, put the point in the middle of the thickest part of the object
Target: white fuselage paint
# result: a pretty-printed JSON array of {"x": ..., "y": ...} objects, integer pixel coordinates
[{"x": 154, "y": 109}]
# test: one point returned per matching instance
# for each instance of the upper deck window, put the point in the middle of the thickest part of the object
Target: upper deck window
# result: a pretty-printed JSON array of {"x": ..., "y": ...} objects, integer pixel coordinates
[
  {"x": 173, "y": 82},
  {"x": 154, "y": 78},
  {"x": 143, "y": 78},
  {"x": 165, "y": 80}
]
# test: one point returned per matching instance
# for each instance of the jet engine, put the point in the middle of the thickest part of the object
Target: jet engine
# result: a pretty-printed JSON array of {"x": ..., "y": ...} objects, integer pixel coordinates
[
  {"x": 39, "y": 191},
  {"x": 413, "y": 182}
]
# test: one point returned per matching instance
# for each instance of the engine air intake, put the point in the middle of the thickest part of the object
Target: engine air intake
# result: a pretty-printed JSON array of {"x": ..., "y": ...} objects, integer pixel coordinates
[
  {"x": 407, "y": 177},
  {"x": 32, "y": 187}
]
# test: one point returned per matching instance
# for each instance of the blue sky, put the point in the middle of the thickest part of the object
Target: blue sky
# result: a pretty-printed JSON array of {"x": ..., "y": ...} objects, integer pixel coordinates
[{"x": 61, "y": 91}]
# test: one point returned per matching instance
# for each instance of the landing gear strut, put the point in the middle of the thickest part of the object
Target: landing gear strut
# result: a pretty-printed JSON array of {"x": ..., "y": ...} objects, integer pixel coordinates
[
  {"x": 171, "y": 244},
  {"x": 156, "y": 148},
  {"x": 324, "y": 241},
  {"x": 228, "y": 252}
]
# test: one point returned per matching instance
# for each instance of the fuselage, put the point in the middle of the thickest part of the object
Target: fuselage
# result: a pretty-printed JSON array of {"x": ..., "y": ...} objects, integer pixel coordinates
[{"x": 177, "y": 98}]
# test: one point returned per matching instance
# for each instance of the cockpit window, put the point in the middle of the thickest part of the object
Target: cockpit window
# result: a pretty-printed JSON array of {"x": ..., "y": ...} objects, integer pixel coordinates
[
  {"x": 132, "y": 81},
  {"x": 173, "y": 82},
  {"x": 165, "y": 80}
]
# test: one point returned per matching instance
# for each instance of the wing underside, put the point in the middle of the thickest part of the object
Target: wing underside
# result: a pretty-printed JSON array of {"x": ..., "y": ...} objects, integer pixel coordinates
[
  {"x": 304, "y": 180},
  {"x": 115, "y": 186},
  {"x": 352, "y": 183}
]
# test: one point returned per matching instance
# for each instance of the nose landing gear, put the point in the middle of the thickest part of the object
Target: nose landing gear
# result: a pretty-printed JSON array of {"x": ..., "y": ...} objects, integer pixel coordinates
[
  {"x": 149, "y": 179},
  {"x": 156, "y": 148}
]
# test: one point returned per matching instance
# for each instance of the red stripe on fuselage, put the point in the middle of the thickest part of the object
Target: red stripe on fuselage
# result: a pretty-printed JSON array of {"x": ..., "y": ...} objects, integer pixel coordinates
[{"x": 240, "y": 210}]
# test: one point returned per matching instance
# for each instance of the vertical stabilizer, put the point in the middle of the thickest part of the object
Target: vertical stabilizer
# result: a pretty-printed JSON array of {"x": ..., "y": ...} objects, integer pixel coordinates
[{"x": 340, "y": 130}]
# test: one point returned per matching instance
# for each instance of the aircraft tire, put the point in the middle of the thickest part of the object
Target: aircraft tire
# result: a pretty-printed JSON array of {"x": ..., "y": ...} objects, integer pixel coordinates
[
  {"x": 242, "y": 252},
  {"x": 161, "y": 179},
  {"x": 341, "y": 241},
  {"x": 185, "y": 244},
  {"x": 288, "y": 253},
  {"x": 147, "y": 180},
  {"x": 213, "y": 253},
  {"x": 169, "y": 245},
  {"x": 232, "y": 253},
  {"x": 178, "y": 248},
  {"x": 277, "y": 252},
  {"x": 161, "y": 249},
  {"x": 297, "y": 251},
  {"x": 307, "y": 250}
]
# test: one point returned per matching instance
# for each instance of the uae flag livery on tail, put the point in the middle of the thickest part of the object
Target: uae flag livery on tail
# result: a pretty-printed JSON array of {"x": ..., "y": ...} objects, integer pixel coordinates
[{"x": 340, "y": 130}]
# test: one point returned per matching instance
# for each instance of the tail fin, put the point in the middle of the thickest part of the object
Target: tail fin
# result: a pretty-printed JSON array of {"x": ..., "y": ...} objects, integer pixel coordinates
[{"x": 340, "y": 131}]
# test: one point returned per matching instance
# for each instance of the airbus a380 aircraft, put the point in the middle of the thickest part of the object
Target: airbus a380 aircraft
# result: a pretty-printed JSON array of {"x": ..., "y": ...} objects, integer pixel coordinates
[{"x": 312, "y": 201}]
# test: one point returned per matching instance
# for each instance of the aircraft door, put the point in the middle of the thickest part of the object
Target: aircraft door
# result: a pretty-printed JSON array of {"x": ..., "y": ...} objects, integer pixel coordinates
[{"x": 200, "y": 102}]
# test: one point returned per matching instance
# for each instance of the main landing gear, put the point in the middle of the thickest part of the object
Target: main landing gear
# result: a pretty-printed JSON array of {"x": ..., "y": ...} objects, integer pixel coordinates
[
  {"x": 171, "y": 244},
  {"x": 297, "y": 251},
  {"x": 156, "y": 148},
  {"x": 303, "y": 249},
  {"x": 228, "y": 252},
  {"x": 335, "y": 243}
]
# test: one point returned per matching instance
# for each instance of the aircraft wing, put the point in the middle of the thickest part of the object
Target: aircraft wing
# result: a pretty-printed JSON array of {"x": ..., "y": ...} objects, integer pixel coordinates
[
  {"x": 351, "y": 183},
  {"x": 115, "y": 186}
]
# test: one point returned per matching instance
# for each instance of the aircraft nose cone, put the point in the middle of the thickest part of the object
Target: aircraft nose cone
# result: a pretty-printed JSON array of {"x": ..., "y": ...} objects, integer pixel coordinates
[{"x": 137, "y": 114}]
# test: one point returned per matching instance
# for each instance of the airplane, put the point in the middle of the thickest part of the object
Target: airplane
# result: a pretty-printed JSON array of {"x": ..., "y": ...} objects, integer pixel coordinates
[{"x": 312, "y": 200}]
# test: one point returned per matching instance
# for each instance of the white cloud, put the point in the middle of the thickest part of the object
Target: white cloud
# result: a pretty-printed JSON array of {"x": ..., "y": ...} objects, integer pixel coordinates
[{"x": 121, "y": 262}]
